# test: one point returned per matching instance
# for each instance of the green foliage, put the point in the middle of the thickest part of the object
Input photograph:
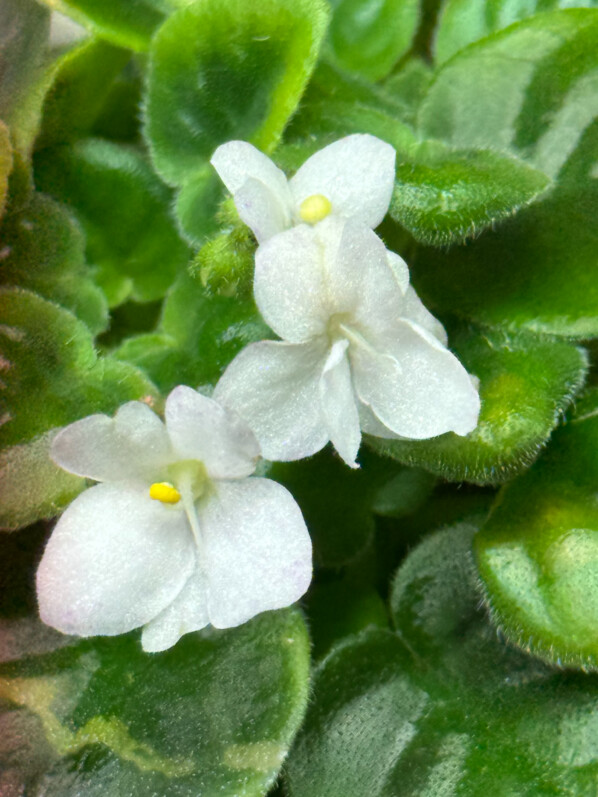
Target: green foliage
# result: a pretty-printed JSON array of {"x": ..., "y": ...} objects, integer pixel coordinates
[
  {"x": 538, "y": 552},
  {"x": 124, "y": 210},
  {"x": 44, "y": 252},
  {"x": 526, "y": 382},
  {"x": 368, "y": 37},
  {"x": 126, "y": 23},
  {"x": 215, "y": 715},
  {"x": 442, "y": 195},
  {"x": 198, "y": 335},
  {"x": 465, "y": 21},
  {"x": 24, "y": 27},
  {"x": 51, "y": 360},
  {"x": 6, "y": 163},
  {"x": 442, "y": 706}
]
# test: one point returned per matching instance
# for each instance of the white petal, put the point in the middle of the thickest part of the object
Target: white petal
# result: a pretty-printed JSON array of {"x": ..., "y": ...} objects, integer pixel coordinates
[
  {"x": 399, "y": 268},
  {"x": 261, "y": 210},
  {"x": 356, "y": 174},
  {"x": 133, "y": 444},
  {"x": 360, "y": 280},
  {"x": 371, "y": 424},
  {"x": 275, "y": 388},
  {"x": 289, "y": 284},
  {"x": 418, "y": 389},
  {"x": 188, "y": 612},
  {"x": 338, "y": 404},
  {"x": 414, "y": 310},
  {"x": 236, "y": 161},
  {"x": 257, "y": 548},
  {"x": 114, "y": 561},
  {"x": 199, "y": 428}
]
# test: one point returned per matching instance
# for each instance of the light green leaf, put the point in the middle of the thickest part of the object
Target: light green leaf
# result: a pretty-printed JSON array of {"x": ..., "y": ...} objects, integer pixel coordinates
[
  {"x": 538, "y": 552},
  {"x": 126, "y": 23},
  {"x": 214, "y": 715},
  {"x": 465, "y": 21},
  {"x": 442, "y": 707},
  {"x": 44, "y": 252},
  {"x": 198, "y": 335},
  {"x": 51, "y": 373},
  {"x": 223, "y": 70},
  {"x": 368, "y": 36},
  {"x": 442, "y": 195},
  {"x": 24, "y": 28},
  {"x": 124, "y": 210},
  {"x": 526, "y": 382}
]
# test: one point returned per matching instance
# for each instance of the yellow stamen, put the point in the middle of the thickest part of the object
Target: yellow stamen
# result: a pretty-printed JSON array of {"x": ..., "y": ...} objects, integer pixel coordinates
[
  {"x": 165, "y": 492},
  {"x": 315, "y": 208}
]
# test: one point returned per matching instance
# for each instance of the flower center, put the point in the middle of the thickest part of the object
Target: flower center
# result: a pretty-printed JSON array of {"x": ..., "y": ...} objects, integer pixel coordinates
[
  {"x": 315, "y": 208},
  {"x": 165, "y": 492}
]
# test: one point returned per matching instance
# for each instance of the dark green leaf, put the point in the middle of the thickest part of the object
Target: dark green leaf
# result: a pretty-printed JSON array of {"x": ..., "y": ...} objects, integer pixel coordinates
[
  {"x": 443, "y": 707},
  {"x": 198, "y": 336},
  {"x": 538, "y": 552},
  {"x": 82, "y": 81},
  {"x": 225, "y": 70},
  {"x": 52, "y": 375},
  {"x": 442, "y": 195},
  {"x": 368, "y": 37},
  {"x": 526, "y": 382},
  {"x": 213, "y": 716},
  {"x": 6, "y": 163},
  {"x": 44, "y": 252},
  {"x": 124, "y": 210}
]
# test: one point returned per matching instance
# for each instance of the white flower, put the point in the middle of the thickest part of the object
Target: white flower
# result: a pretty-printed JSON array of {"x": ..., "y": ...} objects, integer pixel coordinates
[
  {"x": 176, "y": 536},
  {"x": 352, "y": 177},
  {"x": 359, "y": 350}
]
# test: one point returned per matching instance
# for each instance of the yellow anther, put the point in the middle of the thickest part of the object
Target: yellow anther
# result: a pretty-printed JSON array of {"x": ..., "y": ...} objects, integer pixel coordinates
[
  {"x": 315, "y": 208},
  {"x": 165, "y": 492}
]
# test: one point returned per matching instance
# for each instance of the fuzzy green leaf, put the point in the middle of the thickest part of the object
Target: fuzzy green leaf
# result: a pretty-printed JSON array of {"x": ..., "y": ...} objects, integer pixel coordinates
[
  {"x": 197, "y": 337},
  {"x": 124, "y": 210},
  {"x": 465, "y": 21},
  {"x": 526, "y": 382},
  {"x": 368, "y": 36},
  {"x": 52, "y": 375},
  {"x": 442, "y": 707},
  {"x": 213, "y": 716},
  {"x": 538, "y": 552},
  {"x": 44, "y": 252},
  {"x": 442, "y": 195}
]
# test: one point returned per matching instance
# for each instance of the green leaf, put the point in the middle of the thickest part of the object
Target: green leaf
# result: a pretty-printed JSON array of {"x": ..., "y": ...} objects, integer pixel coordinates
[
  {"x": 442, "y": 707},
  {"x": 126, "y": 23},
  {"x": 465, "y": 21},
  {"x": 44, "y": 252},
  {"x": 83, "y": 78},
  {"x": 526, "y": 382},
  {"x": 442, "y": 195},
  {"x": 227, "y": 69},
  {"x": 24, "y": 28},
  {"x": 198, "y": 335},
  {"x": 538, "y": 552},
  {"x": 31, "y": 485},
  {"x": 538, "y": 271},
  {"x": 6, "y": 164},
  {"x": 124, "y": 210},
  {"x": 51, "y": 373},
  {"x": 214, "y": 715},
  {"x": 336, "y": 503},
  {"x": 368, "y": 36},
  {"x": 544, "y": 80}
]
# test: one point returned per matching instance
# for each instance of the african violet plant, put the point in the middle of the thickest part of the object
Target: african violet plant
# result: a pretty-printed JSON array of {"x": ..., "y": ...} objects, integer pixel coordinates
[{"x": 310, "y": 291}]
